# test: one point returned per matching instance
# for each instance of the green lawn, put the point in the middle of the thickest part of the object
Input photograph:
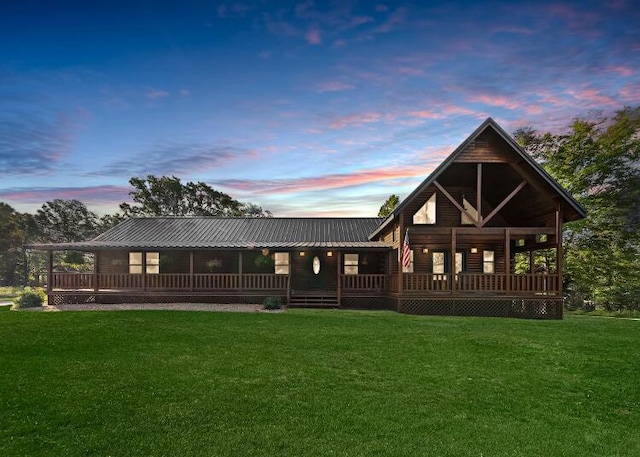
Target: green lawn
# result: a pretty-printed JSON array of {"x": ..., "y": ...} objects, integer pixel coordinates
[{"x": 316, "y": 383}]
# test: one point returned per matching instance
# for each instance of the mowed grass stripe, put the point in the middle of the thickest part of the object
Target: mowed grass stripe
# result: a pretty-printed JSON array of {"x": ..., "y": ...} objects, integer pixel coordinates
[{"x": 316, "y": 383}]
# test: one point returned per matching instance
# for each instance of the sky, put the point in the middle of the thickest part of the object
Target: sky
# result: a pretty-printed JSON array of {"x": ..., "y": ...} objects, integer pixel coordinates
[{"x": 306, "y": 108}]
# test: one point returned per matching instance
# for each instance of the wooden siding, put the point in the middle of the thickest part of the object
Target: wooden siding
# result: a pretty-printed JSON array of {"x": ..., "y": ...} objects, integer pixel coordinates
[{"x": 487, "y": 147}]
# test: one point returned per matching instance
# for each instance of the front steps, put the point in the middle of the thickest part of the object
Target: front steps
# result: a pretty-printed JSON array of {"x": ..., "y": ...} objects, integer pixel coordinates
[{"x": 311, "y": 300}]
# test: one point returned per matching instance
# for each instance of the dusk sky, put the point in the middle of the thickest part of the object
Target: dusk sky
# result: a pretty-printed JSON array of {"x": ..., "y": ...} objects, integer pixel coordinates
[{"x": 305, "y": 108}]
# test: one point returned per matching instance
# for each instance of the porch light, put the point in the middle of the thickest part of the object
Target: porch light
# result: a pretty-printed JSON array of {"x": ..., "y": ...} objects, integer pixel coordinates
[
  {"x": 265, "y": 252},
  {"x": 329, "y": 254},
  {"x": 301, "y": 253},
  {"x": 425, "y": 250},
  {"x": 474, "y": 250}
]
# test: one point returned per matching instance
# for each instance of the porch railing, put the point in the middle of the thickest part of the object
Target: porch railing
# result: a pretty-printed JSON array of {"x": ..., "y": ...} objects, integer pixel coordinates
[
  {"x": 535, "y": 282},
  {"x": 168, "y": 281},
  {"x": 468, "y": 282},
  {"x": 411, "y": 282},
  {"x": 425, "y": 281},
  {"x": 365, "y": 282}
]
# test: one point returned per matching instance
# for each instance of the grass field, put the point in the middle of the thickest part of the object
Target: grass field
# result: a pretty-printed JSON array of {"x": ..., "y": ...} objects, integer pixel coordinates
[{"x": 316, "y": 383}]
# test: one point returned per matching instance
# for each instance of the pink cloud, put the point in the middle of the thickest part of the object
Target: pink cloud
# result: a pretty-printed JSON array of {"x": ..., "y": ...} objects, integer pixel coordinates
[
  {"x": 356, "y": 119},
  {"x": 332, "y": 181},
  {"x": 630, "y": 93},
  {"x": 107, "y": 194},
  {"x": 592, "y": 95},
  {"x": 410, "y": 71},
  {"x": 620, "y": 69},
  {"x": 313, "y": 37},
  {"x": 333, "y": 86},
  {"x": 495, "y": 100}
]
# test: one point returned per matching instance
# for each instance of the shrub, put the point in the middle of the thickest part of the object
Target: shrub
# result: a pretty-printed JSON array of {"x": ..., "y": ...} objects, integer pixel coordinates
[
  {"x": 29, "y": 298},
  {"x": 272, "y": 303}
]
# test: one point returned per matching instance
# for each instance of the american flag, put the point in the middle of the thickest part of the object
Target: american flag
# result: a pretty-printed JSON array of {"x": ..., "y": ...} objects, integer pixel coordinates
[{"x": 406, "y": 251}]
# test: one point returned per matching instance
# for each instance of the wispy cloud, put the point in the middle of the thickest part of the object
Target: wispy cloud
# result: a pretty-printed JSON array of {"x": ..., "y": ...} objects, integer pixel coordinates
[
  {"x": 156, "y": 94},
  {"x": 90, "y": 194},
  {"x": 333, "y": 86},
  {"x": 330, "y": 181},
  {"x": 356, "y": 119},
  {"x": 313, "y": 36},
  {"x": 176, "y": 158},
  {"x": 33, "y": 144}
]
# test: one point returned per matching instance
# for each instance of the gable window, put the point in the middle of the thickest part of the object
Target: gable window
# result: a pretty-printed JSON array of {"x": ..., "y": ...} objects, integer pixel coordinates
[
  {"x": 427, "y": 213},
  {"x": 464, "y": 219},
  {"x": 488, "y": 262},
  {"x": 281, "y": 261},
  {"x": 409, "y": 269},
  {"x": 351, "y": 264},
  {"x": 152, "y": 263}
]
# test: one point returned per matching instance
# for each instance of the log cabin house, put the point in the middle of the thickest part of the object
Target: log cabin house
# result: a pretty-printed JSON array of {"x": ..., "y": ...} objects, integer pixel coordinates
[{"x": 450, "y": 248}]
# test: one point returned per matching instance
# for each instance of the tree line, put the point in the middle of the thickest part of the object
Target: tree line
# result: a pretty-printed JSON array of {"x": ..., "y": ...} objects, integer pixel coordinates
[{"x": 66, "y": 221}]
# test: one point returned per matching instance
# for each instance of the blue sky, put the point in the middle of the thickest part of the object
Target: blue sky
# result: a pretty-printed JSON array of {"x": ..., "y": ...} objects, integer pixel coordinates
[{"x": 305, "y": 108}]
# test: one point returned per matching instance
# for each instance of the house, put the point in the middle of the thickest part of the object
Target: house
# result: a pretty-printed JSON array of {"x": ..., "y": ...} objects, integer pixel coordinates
[{"x": 464, "y": 242}]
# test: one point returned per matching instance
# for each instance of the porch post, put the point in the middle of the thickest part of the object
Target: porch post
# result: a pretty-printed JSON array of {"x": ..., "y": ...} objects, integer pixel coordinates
[
  {"x": 453, "y": 261},
  {"x": 96, "y": 286},
  {"x": 507, "y": 259},
  {"x": 559, "y": 252},
  {"x": 339, "y": 260},
  {"x": 191, "y": 271},
  {"x": 144, "y": 271},
  {"x": 400, "y": 240},
  {"x": 49, "y": 275},
  {"x": 240, "y": 268},
  {"x": 532, "y": 259}
]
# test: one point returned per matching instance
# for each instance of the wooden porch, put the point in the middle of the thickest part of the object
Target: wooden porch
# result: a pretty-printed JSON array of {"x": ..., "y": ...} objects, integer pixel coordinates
[{"x": 413, "y": 284}]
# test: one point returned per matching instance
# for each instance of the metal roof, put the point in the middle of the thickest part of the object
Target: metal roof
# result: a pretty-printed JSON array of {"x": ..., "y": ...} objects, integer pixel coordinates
[{"x": 230, "y": 233}]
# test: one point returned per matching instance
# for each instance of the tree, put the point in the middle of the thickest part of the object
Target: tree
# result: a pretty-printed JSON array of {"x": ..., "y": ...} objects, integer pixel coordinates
[
  {"x": 65, "y": 221},
  {"x": 389, "y": 205},
  {"x": 167, "y": 196},
  {"x": 598, "y": 161},
  {"x": 12, "y": 237}
]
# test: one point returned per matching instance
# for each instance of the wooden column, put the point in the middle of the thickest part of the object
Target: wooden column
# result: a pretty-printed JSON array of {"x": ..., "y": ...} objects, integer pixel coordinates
[
  {"x": 559, "y": 251},
  {"x": 479, "y": 193},
  {"x": 49, "y": 273},
  {"x": 399, "y": 260},
  {"x": 96, "y": 286},
  {"x": 507, "y": 259},
  {"x": 453, "y": 261},
  {"x": 191, "y": 271},
  {"x": 240, "y": 269},
  {"x": 532, "y": 259},
  {"x": 144, "y": 271},
  {"x": 338, "y": 259}
]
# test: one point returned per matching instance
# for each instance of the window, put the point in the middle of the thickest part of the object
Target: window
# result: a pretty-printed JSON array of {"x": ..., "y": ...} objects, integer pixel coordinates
[
  {"x": 409, "y": 269},
  {"x": 465, "y": 220},
  {"x": 152, "y": 263},
  {"x": 437, "y": 259},
  {"x": 135, "y": 263},
  {"x": 459, "y": 266},
  {"x": 281, "y": 261},
  {"x": 426, "y": 214},
  {"x": 351, "y": 264},
  {"x": 488, "y": 262}
]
